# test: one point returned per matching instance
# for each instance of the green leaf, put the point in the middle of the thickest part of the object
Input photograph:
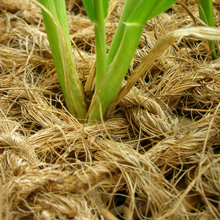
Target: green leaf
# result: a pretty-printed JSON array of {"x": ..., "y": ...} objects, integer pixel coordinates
[
  {"x": 207, "y": 7},
  {"x": 136, "y": 12},
  {"x": 105, "y": 8},
  {"x": 127, "y": 10},
  {"x": 202, "y": 14},
  {"x": 90, "y": 9},
  {"x": 151, "y": 9},
  {"x": 206, "y": 13},
  {"x": 55, "y": 20}
]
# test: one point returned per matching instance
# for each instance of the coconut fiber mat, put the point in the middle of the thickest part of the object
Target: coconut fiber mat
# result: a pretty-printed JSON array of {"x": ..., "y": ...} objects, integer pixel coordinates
[{"x": 157, "y": 156}]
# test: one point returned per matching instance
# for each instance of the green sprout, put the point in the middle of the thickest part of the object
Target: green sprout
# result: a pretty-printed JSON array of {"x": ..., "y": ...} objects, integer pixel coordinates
[
  {"x": 206, "y": 13},
  {"x": 55, "y": 19},
  {"x": 111, "y": 68},
  {"x": 123, "y": 47}
]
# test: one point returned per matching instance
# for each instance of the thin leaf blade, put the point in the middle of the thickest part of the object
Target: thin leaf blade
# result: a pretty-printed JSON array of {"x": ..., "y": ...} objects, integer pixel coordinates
[
  {"x": 59, "y": 40},
  {"x": 152, "y": 9},
  {"x": 207, "y": 7},
  {"x": 127, "y": 10},
  {"x": 90, "y": 9},
  {"x": 202, "y": 14}
]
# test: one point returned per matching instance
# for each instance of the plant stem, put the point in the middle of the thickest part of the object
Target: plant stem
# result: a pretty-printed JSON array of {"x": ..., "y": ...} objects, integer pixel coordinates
[
  {"x": 55, "y": 20},
  {"x": 107, "y": 92},
  {"x": 213, "y": 48},
  {"x": 100, "y": 35},
  {"x": 127, "y": 10}
]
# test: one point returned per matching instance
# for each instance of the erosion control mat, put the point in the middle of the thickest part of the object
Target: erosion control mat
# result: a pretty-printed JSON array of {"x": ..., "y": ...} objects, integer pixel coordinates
[{"x": 155, "y": 157}]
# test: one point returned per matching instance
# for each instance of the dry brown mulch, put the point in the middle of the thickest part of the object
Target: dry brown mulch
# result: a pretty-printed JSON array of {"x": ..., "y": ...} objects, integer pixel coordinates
[{"x": 156, "y": 157}]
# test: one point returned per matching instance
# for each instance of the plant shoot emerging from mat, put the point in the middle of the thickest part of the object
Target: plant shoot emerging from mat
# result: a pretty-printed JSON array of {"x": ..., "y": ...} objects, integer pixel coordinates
[{"x": 111, "y": 67}]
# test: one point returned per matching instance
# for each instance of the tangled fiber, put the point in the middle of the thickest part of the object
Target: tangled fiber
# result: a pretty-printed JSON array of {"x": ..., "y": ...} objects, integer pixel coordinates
[{"x": 157, "y": 156}]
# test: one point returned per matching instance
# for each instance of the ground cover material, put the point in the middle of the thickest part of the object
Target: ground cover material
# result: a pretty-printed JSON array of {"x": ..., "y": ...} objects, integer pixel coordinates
[{"x": 155, "y": 157}]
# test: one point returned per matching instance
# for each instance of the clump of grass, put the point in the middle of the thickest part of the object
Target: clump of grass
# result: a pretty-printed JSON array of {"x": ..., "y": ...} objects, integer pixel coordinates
[{"x": 111, "y": 67}]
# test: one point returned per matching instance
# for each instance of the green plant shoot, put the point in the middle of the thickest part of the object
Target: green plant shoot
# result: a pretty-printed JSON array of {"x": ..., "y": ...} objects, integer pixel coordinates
[
  {"x": 111, "y": 68},
  {"x": 55, "y": 20},
  {"x": 125, "y": 42},
  {"x": 97, "y": 12},
  {"x": 206, "y": 13}
]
